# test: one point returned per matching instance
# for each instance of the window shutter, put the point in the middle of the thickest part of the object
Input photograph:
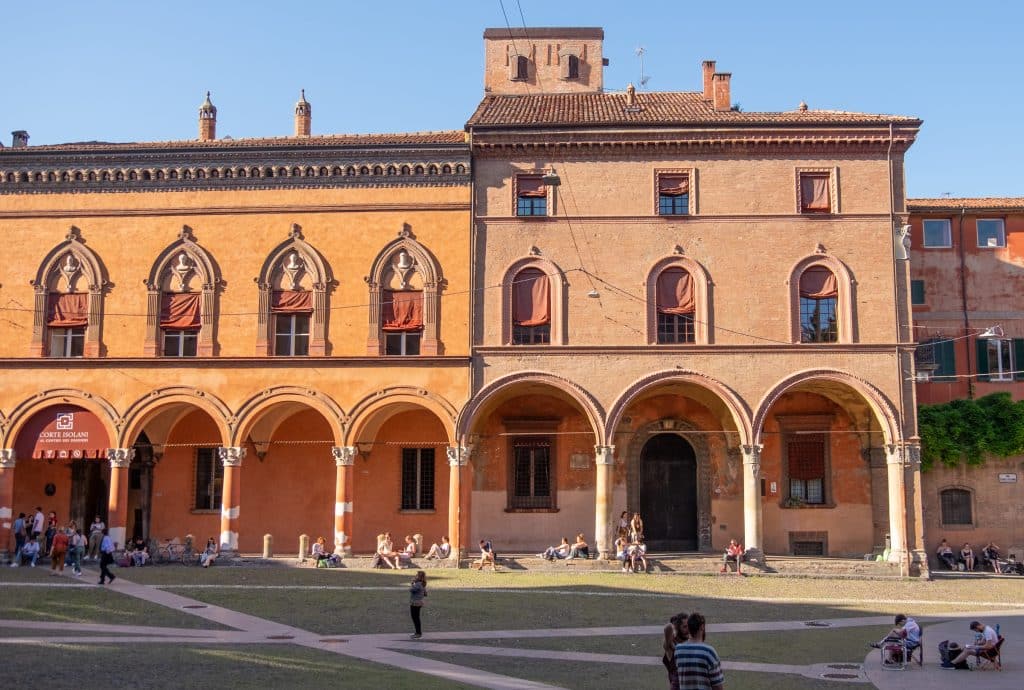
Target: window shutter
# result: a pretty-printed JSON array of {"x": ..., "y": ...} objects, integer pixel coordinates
[
  {"x": 408, "y": 478},
  {"x": 917, "y": 292},
  {"x": 946, "y": 359},
  {"x": 982, "y": 346},
  {"x": 1018, "y": 358},
  {"x": 427, "y": 479}
]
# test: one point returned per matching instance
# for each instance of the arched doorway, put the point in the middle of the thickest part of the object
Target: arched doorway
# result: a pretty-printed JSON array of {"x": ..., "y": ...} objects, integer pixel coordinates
[{"x": 668, "y": 493}]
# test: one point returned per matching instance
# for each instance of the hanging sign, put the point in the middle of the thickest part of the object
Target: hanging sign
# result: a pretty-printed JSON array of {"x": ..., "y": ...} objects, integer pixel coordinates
[{"x": 63, "y": 432}]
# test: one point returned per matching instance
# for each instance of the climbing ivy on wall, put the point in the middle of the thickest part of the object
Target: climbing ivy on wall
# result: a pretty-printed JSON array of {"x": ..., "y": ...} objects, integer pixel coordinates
[{"x": 969, "y": 430}]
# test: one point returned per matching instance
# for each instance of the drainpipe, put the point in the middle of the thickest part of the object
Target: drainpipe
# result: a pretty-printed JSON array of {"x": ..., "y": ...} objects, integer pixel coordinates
[{"x": 963, "y": 303}]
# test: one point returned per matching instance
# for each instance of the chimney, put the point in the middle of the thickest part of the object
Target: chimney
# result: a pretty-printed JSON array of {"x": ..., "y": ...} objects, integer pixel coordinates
[
  {"x": 303, "y": 116},
  {"x": 630, "y": 95},
  {"x": 207, "y": 120},
  {"x": 19, "y": 139},
  {"x": 720, "y": 83},
  {"x": 708, "y": 67}
]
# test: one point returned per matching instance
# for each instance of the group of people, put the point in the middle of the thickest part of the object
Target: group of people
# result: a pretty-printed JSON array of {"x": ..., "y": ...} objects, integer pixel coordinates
[
  {"x": 902, "y": 641},
  {"x": 967, "y": 560},
  {"x": 566, "y": 551},
  {"x": 64, "y": 545},
  {"x": 630, "y": 548},
  {"x": 690, "y": 661},
  {"x": 387, "y": 555}
]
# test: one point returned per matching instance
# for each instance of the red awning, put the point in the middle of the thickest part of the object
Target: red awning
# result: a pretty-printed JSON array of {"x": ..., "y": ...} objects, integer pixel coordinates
[{"x": 62, "y": 432}]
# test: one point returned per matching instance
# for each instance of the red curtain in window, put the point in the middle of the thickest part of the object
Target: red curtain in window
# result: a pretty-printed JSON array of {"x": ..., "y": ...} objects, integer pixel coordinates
[
  {"x": 807, "y": 458},
  {"x": 531, "y": 298},
  {"x": 673, "y": 185},
  {"x": 531, "y": 186},
  {"x": 291, "y": 301},
  {"x": 402, "y": 310},
  {"x": 814, "y": 192},
  {"x": 675, "y": 292},
  {"x": 67, "y": 310},
  {"x": 180, "y": 310},
  {"x": 817, "y": 282}
]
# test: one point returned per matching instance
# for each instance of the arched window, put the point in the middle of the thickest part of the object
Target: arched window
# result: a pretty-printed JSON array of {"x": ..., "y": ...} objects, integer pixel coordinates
[
  {"x": 293, "y": 300},
  {"x": 405, "y": 281},
  {"x": 182, "y": 285},
  {"x": 69, "y": 289},
  {"x": 955, "y": 506},
  {"x": 819, "y": 297},
  {"x": 677, "y": 302},
  {"x": 676, "y": 306},
  {"x": 531, "y": 308}
]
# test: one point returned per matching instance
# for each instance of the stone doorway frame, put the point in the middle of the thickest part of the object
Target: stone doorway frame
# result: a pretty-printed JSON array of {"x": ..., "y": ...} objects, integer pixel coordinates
[{"x": 688, "y": 432}]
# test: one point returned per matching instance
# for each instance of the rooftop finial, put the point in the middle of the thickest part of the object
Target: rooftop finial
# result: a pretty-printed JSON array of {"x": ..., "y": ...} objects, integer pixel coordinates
[
  {"x": 630, "y": 94},
  {"x": 802, "y": 107}
]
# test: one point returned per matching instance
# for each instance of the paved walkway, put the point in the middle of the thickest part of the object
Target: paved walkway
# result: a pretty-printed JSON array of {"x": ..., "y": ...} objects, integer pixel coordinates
[
  {"x": 930, "y": 675},
  {"x": 393, "y": 649}
]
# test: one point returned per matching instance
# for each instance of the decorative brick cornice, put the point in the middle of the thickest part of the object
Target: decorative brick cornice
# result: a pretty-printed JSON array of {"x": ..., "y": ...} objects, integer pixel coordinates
[{"x": 108, "y": 171}]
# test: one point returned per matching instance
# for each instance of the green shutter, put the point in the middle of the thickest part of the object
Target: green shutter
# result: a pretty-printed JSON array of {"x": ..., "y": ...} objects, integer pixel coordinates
[
  {"x": 945, "y": 357},
  {"x": 917, "y": 292},
  {"x": 982, "y": 360},
  {"x": 1018, "y": 358}
]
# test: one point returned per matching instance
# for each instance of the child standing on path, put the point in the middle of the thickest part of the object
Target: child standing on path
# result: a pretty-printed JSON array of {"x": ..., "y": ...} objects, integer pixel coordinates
[{"x": 417, "y": 593}]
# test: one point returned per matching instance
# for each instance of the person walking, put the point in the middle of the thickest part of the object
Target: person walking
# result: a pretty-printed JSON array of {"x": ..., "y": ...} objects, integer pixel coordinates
[
  {"x": 107, "y": 547},
  {"x": 96, "y": 530},
  {"x": 675, "y": 633},
  {"x": 58, "y": 550},
  {"x": 697, "y": 663},
  {"x": 417, "y": 594},
  {"x": 77, "y": 550}
]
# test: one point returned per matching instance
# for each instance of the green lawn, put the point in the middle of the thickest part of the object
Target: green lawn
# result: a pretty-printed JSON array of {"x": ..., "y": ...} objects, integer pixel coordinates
[{"x": 209, "y": 665}]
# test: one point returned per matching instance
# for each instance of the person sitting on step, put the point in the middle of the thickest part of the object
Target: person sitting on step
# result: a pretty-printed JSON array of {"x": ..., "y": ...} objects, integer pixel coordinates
[
  {"x": 945, "y": 554},
  {"x": 406, "y": 555},
  {"x": 487, "y": 556},
  {"x": 580, "y": 549},
  {"x": 440, "y": 551},
  {"x": 557, "y": 552},
  {"x": 733, "y": 554}
]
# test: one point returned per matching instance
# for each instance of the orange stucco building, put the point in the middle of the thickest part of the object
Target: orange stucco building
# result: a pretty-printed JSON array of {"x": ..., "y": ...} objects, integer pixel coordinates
[
  {"x": 236, "y": 337},
  {"x": 967, "y": 273},
  {"x": 642, "y": 302}
]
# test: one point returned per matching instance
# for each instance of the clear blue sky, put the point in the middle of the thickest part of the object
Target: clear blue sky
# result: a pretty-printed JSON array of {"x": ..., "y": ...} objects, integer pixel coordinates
[{"x": 137, "y": 71}]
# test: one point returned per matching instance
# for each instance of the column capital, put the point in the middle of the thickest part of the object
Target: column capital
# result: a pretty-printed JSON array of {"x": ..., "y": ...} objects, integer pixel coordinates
[
  {"x": 752, "y": 458},
  {"x": 120, "y": 457},
  {"x": 231, "y": 456},
  {"x": 7, "y": 458},
  {"x": 344, "y": 456},
  {"x": 894, "y": 454},
  {"x": 458, "y": 456},
  {"x": 604, "y": 455}
]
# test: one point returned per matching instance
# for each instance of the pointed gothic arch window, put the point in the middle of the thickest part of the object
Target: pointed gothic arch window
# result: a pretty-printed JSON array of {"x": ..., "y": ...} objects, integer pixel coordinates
[
  {"x": 69, "y": 288},
  {"x": 293, "y": 284},
  {"x": 182, "y": 301},
  {"x": 405, "y": 283}
]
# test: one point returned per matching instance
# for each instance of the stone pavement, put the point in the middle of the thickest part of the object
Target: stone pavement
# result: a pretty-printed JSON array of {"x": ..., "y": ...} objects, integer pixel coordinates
[
  {"x": 393, "y": 648},
  {"x": 933, "y": 677}
]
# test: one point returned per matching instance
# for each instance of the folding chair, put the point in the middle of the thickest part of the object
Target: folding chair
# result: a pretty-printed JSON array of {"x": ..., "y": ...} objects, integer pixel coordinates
[
  {"x": 991, "y": 659},
  {"x": 917, "y": 651}
]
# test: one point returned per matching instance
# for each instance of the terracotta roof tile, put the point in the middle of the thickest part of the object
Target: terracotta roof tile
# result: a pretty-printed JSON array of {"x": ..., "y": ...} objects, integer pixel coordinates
[
  {"x": 446, "y": 137},
  {"x": 654, "y": 108},
  {"x": 951, "y": 204}
]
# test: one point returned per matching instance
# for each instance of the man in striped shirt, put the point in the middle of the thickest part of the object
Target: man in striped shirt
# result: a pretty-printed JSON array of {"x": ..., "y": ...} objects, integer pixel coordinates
[{"x": 697, "y": 663}]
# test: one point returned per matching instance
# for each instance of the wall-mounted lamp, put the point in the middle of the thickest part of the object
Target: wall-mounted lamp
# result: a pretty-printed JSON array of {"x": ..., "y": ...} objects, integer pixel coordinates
[
  {"x": 594, "y": 294},
  {"x": 992, "y": 332},
  {"x": 550, "y": 178}
]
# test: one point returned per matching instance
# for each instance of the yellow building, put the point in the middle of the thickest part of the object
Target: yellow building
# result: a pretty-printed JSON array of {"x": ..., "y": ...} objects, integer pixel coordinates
[{"x": 236, "y": 337}]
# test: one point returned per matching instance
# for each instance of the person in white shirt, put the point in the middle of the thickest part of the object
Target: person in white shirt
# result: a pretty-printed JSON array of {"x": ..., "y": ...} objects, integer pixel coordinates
[
  {"x": 988, "y": 641},
  {"x": 38, "y": 521}
]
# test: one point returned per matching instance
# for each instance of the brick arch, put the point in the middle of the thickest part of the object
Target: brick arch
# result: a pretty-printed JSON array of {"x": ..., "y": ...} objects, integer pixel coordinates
[
  {"x": 320, "y": 273},
  {"x": 253, "y": 410},
  {"x": 737, "y": 407},
  {"x": 210, "y": 280},
  {"x": 702, "y": 327},
  {"x": 559, "y": 290},
  {"x": 95, "y": 276},
  {"x": 370, "y": 413},
  {"x": 145, "y": 409},
  {"x": 99, "y": 406},
  {"x": 845, "y": 306},
  {"x": 884, "y": 411},
  {"x": 587, "y": 403}
]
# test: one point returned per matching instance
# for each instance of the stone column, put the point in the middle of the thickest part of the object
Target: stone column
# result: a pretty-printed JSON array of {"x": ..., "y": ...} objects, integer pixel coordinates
[
  {"x": 7, "y": 462},
  {"x": 458, "y": 459},
  {"x": 230, "y": 497},
  {"x": 897, "y": 503},
  {"x": 915, "y": 530},
  {"x": 752, "y": 524},
  {"x": 117, "y": 501},
  {"x": 604, "y": 463},
  {"x": 344, "y": 460}
]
